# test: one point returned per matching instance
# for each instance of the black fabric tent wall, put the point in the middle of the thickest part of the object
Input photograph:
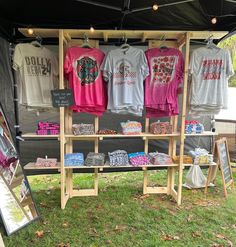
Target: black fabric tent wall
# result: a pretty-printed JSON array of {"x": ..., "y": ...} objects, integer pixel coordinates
[{"x": 6, "y": 84}]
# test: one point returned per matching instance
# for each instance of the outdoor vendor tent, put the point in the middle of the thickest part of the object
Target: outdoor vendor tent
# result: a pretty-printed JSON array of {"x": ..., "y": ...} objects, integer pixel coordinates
[{"x": 128, "y": 15}]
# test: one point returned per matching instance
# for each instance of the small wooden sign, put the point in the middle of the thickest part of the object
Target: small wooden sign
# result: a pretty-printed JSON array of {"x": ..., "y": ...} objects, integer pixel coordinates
[
  {"x": 224, "y": 164},
  {"x": 62, "y": 97}
]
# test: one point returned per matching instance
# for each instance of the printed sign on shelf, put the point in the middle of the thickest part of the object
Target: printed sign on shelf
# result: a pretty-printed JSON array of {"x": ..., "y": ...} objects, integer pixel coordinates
[{"x": 62, "y": 97}]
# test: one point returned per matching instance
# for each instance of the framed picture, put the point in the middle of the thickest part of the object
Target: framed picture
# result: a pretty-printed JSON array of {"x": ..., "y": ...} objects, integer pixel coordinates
[{"x": 17, "y": 207}]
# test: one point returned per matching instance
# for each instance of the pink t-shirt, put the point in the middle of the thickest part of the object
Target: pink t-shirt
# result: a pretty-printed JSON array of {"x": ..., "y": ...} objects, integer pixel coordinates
[
  {"x": 166, "y": 67},
  {"x": 82, "y": 69}
]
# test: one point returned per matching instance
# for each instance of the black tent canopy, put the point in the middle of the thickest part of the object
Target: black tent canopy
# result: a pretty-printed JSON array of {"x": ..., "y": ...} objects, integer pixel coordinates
[{"x": 119, "y": 14}]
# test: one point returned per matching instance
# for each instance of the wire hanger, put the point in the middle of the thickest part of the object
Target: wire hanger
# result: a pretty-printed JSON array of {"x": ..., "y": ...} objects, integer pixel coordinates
[
  {"x": 125, "y": 45},
  {"x": 162, "y": 44},
  {"x": 210, "y": 44},
  {"x": 86, "y": 42},
  {"x": 37, "y": 42}
]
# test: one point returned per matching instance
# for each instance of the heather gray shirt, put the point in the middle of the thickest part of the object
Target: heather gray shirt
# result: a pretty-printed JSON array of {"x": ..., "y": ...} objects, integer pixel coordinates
[
  {"x": 125, "y": 71},
  {"x": 210, "y": 69}
]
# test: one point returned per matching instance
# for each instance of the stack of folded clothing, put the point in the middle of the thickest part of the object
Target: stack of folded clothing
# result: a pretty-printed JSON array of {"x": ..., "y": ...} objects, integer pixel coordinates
[
  {"x": 131, "y": 128},
  {"x": 161, "y": 159},
  {"x": 118, "y": 158},
  {"x": 95, "y": 159},
  {"x": 75, "y": 159},
  {"x": 186, "y": 159},
  {"x": 46, "y": 162},
  {"x": 161, "y": 128},
  {"x": 107, "y": 132},
  {"x": 48, "y": 128},
  {"x": 138, "y": 159},
  {"x": 201, "y": 156},
  {"x": 83, "y": 129},
  {"x": 193, "y": 127}
]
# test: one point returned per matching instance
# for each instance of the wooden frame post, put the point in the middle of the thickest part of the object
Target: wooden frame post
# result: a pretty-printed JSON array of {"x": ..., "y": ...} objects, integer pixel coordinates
[
  {"x": 182, "y": 130},
  {"x": 64, "y": 196}
]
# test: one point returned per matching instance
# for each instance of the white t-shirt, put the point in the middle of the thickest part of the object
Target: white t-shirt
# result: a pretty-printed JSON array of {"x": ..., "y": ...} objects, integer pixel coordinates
[
  {"x": 125, "y": 71},
  {"x": 210, "y": 69},
  {"x": 37, "y": 67}
]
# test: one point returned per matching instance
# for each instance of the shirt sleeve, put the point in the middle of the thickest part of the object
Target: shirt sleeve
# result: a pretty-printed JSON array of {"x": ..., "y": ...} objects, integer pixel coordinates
[
  {"x": 17, "y": 58},
  {"x": 68, "y": 63},
  {"x": 192, "y": 63},
  {"x": 180, "y": 68},
  {"x": 144, "y": 65},
  {"x": 106, "y": 67},
  {"x": 229, "y": 65},
  {"x": 55, "y": 66}
]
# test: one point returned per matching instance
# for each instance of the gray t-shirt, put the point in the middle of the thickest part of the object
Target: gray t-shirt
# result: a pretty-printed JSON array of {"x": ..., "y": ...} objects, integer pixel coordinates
[
  {"x": 125, "y": 71},
  {"x": 38, "y": 68},
  {"x": 210, "y": 69}
]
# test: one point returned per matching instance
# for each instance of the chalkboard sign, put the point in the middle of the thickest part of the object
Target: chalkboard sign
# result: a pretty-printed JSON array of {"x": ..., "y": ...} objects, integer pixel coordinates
[
  {"x": 224, "y": 163},
  {"x": 62, "y": 97}
]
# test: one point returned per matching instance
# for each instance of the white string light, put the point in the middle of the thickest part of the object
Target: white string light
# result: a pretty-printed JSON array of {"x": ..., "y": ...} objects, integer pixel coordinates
[
  {"x": 155, "y": 7},
  {"x": 30, "y": 31},
  {"x": 92, "y": 29},
  {"x": 213, "y": 20}
]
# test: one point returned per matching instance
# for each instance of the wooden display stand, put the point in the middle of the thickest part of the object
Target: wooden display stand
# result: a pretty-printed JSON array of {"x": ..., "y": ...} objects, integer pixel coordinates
[{"x": 176, "y": 39}]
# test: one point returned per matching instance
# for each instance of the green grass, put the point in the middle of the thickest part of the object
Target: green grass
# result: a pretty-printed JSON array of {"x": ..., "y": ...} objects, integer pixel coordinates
[{"x": 121, "y": 216}]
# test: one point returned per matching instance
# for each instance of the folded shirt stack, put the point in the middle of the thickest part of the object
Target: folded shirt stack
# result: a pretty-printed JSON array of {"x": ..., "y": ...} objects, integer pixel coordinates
[
  {"x": 161, "y": 128},
  {"x": 75, "y": 159},
  {"x": 161, "y": 159},
  {"x": 186, "y": 159},
  {"x": 46, "y": 162},
  {"x": 95, "y": 159},
  {"x": 131, "y": 128},
  {"x": 48, "y": 128},
  {"x": 201, "y": 156},
  {"x": 193, "y": 127},
  {"x": 83, "y": 129},
  {"x": 107, "y": 132},
  {"x": 138, "y": 159},
  {"x": 118, "y": 158}
]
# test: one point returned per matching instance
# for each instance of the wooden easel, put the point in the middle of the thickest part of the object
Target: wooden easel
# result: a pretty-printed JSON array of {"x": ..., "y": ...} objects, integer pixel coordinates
[{"x": 223, "y": 162}]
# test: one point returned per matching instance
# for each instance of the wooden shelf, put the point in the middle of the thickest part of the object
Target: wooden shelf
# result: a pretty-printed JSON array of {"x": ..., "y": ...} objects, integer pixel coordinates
[
  {"x": 31, "y": 166},
  {"x": 115, "y": 34},
  {"x": 142, "y": 135},
  {"x": 33, "y": 135},
  {"x": 205, "y": 133}
]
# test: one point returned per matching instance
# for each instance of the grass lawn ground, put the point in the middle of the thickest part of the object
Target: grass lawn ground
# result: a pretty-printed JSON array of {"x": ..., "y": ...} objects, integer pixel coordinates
[{"x": 122, "y": 216}]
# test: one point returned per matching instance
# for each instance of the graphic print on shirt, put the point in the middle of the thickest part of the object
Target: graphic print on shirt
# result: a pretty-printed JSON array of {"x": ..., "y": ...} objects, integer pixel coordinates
[
  {"x": 212, "y": 69},
  {"x": 38, "y": 66},
  {"x": 163, "y": 69},
  {"x": 87, "y": 70},
  {"x": 123, "y": 73}
]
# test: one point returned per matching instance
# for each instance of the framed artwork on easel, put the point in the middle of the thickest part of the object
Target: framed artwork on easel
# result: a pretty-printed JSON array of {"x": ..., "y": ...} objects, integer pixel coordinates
[{"x": 17, "y": 208}]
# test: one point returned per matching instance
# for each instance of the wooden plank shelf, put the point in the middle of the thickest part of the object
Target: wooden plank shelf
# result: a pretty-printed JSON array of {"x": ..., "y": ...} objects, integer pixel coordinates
[
  {"x": 115, "y": 34},
  {"x": 142, "y": 135},
  {"x": 33, "y": 135},
  {"x": 32, "y": 166},
  {"x": 205, "y": 133}
]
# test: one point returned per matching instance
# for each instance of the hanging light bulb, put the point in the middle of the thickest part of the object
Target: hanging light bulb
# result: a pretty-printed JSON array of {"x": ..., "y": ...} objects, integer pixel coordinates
[
  {"x": 213, "y": 20},
  {"x": 92, "y": 29},
  {"x": 155, "y": 7},
  {"x": 30, "y": 31}
]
